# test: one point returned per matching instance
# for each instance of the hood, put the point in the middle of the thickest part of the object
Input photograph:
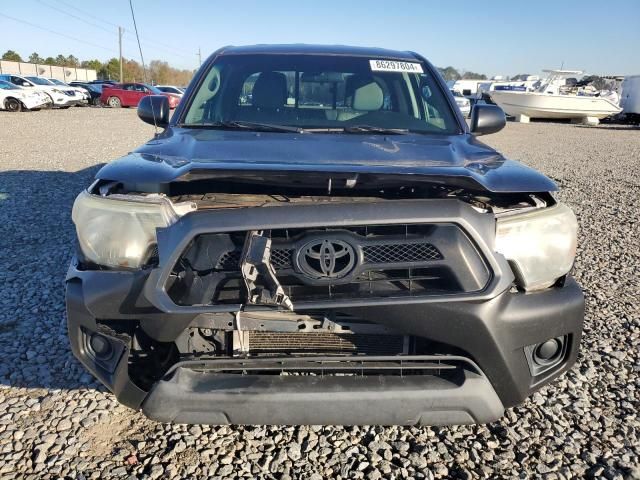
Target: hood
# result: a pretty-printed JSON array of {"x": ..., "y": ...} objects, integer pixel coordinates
[{"x": 461, "y": 160}]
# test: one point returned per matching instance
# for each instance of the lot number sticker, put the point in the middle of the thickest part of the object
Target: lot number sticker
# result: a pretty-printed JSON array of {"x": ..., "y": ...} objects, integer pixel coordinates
[{"x": 393, "y": 66}]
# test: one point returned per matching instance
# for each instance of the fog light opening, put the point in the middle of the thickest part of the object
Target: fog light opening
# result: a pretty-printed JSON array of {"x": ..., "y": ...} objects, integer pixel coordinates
[
  {"x": 548, "y": 352},
  {"x": 101, "y": 346}
]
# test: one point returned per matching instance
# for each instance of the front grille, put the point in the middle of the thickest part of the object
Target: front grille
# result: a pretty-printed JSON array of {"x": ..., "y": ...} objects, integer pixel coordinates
[
  {"x": 400, "y": 252},
  {"x": 281, "y": 258},
  {"x": 385, "y": 261},
  {"x": 230, "y": 261},
  {"x": 323, "y": 343},
  {"x": 450, "y": 366}
]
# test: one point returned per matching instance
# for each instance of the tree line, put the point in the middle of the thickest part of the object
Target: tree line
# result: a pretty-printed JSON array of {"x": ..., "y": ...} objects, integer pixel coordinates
[{"x": 157, "y": 71}]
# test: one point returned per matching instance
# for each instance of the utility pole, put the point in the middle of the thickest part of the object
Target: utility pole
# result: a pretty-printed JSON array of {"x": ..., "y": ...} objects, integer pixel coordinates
[
  {"x": 120, "y": 32},
  {"x": 199, "y": 57}
]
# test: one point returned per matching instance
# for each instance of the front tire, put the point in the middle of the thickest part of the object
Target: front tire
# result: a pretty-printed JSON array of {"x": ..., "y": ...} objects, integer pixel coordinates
[
  {"x": 12, "y": 105},
  {"x": 114, "y": 102},
  {"x": 50, "y": 105}
]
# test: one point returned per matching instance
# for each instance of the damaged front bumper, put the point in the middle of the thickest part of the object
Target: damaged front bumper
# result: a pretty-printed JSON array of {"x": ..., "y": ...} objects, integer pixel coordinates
[{"x": 474, "y": 359}]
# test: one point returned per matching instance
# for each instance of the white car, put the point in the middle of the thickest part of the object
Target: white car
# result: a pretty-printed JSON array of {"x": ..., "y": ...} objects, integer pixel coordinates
[
  {"x": 463, "y": 103},
  {"x": 170, "y": 89},
  {"x": 61, "y": 97},
  {"x": 82, "y": 91},
  {"x": 15, "y": 99}
]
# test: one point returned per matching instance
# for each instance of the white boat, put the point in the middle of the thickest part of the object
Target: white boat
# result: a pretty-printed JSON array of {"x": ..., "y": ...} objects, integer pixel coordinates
[{"x": 554, "y": 99}]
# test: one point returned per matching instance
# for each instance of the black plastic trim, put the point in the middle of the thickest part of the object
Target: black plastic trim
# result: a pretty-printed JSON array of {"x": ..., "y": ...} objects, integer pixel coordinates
[{"x": 187, "y": 396}]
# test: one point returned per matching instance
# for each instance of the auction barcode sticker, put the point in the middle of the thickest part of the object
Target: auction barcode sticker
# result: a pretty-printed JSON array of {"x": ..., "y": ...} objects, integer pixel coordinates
[{"x": 393, "y": 66}]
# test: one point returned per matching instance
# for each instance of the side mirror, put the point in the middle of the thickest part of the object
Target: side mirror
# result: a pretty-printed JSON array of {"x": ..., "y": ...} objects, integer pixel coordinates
[
  {"x": 26, "y": 84},
  {"x": 154, "y": 109},
  {"x": 486, "y": 119}
]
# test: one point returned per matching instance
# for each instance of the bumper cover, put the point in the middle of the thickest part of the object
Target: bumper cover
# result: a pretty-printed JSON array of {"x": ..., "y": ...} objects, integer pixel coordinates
[{"x": 187, "y": 396}]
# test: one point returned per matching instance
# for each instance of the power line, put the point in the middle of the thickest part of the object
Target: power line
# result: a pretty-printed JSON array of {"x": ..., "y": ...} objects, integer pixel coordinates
[
  {"x": 52, "y": 7},
  {"x": 135, "y": 26},
  {"x": 85, "y": 13},
  {"x": 150, "y": 43},
  {"x": 56, "y": 33}
]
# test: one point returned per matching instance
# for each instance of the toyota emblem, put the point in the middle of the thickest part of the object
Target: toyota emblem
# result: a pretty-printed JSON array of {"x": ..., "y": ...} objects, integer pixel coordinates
[{"x": 324, "y": 259}]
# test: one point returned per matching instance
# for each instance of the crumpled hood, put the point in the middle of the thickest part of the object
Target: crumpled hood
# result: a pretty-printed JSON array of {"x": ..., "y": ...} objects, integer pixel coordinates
[{"x": 183, "y": 154}]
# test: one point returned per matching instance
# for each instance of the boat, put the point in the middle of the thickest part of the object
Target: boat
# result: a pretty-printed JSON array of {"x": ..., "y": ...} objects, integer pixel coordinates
[{"x": 556, "y": 98}]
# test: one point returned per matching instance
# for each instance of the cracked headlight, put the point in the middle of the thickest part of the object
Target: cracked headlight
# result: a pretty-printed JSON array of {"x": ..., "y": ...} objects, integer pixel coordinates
[
  {"x": 120, "y": 231},
  {"x": 539, "y": 245}
]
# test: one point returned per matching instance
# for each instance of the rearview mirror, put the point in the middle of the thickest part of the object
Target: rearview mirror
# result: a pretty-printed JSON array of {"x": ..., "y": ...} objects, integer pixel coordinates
[
  {"x": 154, "y": 109},
  {"x": 486, "y": 119}
]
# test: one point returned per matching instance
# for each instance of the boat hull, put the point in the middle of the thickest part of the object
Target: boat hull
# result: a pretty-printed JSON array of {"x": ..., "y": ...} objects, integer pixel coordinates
[{"x": 540, "y": 105}]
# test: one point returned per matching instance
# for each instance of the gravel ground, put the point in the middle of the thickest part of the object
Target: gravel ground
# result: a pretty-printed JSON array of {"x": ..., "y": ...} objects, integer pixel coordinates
[{"x": 55, "y": 421}]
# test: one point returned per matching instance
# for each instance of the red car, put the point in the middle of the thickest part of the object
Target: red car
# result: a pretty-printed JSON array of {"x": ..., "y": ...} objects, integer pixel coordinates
[{"x": 129, "y": 94}]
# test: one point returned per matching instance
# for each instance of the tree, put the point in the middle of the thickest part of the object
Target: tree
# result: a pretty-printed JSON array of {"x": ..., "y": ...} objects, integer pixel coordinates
[
  {"x": 132, "y": 71},
  {"x": 35, "y": 58},
  {"x": 449, "y": 73},
  {"x": 11, "y": 56},
  {"x": 110, "y": 70},
  {"x": 72, "y": 61},
  {"x": 91, "y": 64},
  {"x": 61, "y": 60},
  {"x": 473, "y": 76},
  {"x": 50, "y": 61}
]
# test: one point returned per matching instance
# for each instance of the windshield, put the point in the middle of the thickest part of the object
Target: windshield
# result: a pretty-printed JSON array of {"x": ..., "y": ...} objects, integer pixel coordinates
[
  {"x": 153, "y": 89},
  {"x": 315, "y": 91},
  {"x": 39, "y": 81},
  {"x": 96, "y": 87},
  {"x": 170, "y": 90},
  {"x": 7, "y": 86},
  {"x": 58, "y": 82}
]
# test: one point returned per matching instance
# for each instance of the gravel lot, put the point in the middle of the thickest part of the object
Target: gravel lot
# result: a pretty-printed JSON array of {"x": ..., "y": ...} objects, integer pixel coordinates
[{"x": 55, "y": 421}]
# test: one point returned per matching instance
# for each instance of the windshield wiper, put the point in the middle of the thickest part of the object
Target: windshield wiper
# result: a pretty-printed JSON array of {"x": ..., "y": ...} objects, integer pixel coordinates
[
  {"x": 242, "y": 125},
  {"x": 373, "y": 129}
]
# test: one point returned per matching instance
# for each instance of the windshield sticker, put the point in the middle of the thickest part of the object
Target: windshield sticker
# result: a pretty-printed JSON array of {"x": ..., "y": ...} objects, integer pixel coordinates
[{"x": 393, "y": 66}]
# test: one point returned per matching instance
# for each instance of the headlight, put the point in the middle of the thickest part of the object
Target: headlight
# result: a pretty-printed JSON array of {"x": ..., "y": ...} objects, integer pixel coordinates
[
  {"x": 540, "y": 245},
  {"x": 56, "y": 90},
  {"x": 119, "y": 232}
]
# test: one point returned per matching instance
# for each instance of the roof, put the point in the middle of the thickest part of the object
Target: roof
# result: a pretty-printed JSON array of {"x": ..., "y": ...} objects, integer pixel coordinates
[
  {"x": 305, "y": 49},
  {"x": 564, "y": 72}
]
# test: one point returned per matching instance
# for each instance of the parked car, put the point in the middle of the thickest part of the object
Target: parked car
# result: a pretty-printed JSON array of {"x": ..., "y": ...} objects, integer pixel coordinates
[
  {"x": 80, "y": 90},
  {"x": 60, "y": 97},
  {"x": 129, "y": 94},
  {"x": 170, "y": 89},
  {"x": 15, "y": 99},
  {"x": 369, "y": 261},
  {"x": 463, "y": 103},
  {"x": 104, "y": 82},
  {"x": 93, "y": 89}
]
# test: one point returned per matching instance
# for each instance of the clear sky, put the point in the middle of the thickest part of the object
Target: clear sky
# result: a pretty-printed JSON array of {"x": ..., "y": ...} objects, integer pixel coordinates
[{"x": 491, "y": 37}]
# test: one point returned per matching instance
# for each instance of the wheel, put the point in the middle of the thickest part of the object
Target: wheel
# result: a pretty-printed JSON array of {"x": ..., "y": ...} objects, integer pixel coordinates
[
  {"x": 64, "y": 108},
  {"x": 12, "y": 105},
  {"x": 49, "y": 105},
  {"x": 96, "y": 102},
  {"x": 114, "y": 102}
]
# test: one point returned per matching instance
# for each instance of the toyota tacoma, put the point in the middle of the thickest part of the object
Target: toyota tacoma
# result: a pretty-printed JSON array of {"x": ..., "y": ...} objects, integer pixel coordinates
[{"x": 316, "y": 236}]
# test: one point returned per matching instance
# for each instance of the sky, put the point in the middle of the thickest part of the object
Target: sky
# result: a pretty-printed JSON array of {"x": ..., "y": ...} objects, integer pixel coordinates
[{"x": 490, "y": 37}]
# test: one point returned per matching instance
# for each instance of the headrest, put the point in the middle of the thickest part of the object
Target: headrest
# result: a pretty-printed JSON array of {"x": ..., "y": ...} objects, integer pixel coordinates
[
  {"x": 270, "y": 90},
  {"x": 368, "y": 97}
]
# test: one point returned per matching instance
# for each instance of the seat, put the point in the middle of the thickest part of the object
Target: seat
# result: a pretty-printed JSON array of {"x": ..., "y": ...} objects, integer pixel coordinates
[
  {"x": 269, "y": 96},
  {"x": 363, "y": 94}
]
